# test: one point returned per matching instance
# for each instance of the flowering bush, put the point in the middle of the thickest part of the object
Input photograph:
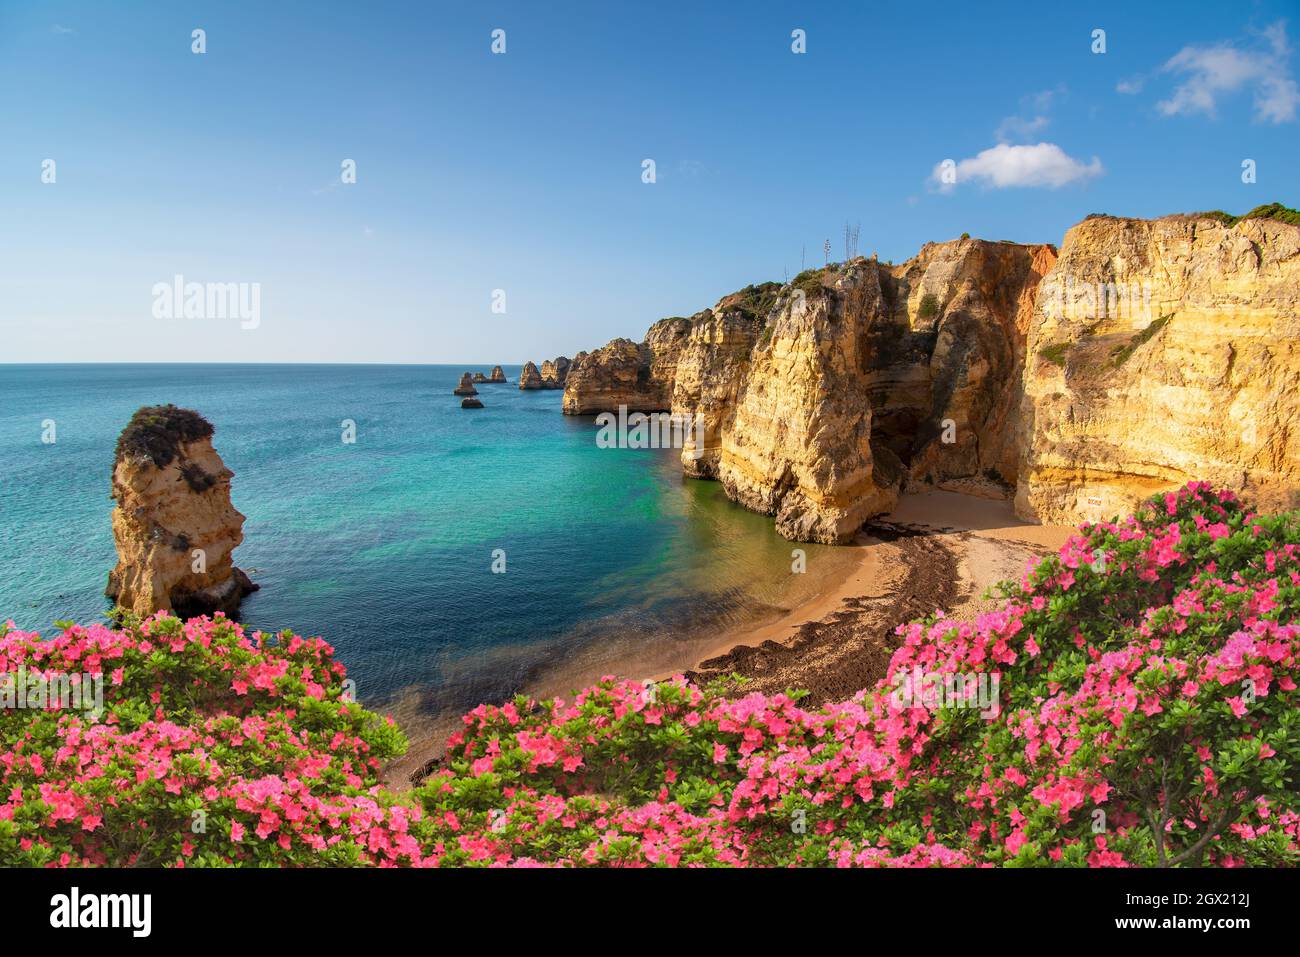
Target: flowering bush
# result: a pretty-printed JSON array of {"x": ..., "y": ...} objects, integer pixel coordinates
[
  {"x": 211, "y": 749},
  {"x": 1146, "y": 715}
]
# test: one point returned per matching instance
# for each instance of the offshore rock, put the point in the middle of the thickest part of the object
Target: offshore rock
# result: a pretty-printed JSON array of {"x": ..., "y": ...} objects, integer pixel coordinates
[{"x": 174, "y": 525}]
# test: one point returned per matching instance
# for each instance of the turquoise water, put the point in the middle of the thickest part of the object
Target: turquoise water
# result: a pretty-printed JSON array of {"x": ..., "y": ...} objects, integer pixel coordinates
[{"x": 613, "y": 560}]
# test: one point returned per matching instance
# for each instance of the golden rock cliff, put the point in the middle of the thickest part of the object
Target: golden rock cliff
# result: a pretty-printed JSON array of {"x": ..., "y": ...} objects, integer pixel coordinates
[
  {"x": 554, "y": 371},
  {"x": 174, "y": 524},
  {"x": 1162, "y": 351},
  {"x": 529, "y": 377},
  {"x": 1143, "y": 355},
  {"x": 946, "y": 372},
  {"x": 639, "y": 376},
  {"x": 797, "y": 444},
  {"x": 712, "y": 369}
]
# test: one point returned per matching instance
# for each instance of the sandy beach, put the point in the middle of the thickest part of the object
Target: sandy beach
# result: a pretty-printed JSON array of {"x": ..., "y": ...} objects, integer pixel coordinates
[{"x": 936, "y": 550}]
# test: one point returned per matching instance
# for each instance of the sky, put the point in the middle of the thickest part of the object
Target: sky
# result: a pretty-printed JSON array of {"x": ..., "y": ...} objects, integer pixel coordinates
[{"x": 500, "y": 210}]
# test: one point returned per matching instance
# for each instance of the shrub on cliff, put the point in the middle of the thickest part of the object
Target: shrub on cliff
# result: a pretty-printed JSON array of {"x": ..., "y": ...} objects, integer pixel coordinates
[
  {"x": 1144, "y": 712},
  {"x": 155, "y": 432},
  {"x": 1275, "y": 211}
]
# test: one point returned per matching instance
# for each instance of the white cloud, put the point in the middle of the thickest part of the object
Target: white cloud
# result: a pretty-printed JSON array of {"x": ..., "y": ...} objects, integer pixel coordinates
[
  {"x": 62, "y": 30},
  {"x": 1131, "y": 86},
  {"x": 1223, "y": 69},
  {"x": 1004, "y": 166}
]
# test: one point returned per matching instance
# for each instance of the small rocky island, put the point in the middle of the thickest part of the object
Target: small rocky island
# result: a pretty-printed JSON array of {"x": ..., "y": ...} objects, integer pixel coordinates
[
  {"x": 530, "y": 378},
  {"x": 174, "y": 525},
  {"x": 554, "y": 372},
  {"x": 466, "y": 386},
  {"x": 498, "y": 376},
  {"x": 552, "y": 375},
  {"x": 469, "y": 402}
]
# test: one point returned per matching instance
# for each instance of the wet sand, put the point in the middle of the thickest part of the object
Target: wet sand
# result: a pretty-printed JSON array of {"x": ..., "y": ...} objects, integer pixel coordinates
[{"x": 936, "y": 551}]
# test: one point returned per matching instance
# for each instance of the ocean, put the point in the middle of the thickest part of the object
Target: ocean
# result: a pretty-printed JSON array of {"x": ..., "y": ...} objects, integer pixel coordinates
[{"x": 614, "y": 562}]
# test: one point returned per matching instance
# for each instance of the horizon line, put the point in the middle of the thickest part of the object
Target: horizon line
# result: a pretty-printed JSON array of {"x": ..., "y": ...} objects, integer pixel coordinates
[{"x": 195, "y": 362}]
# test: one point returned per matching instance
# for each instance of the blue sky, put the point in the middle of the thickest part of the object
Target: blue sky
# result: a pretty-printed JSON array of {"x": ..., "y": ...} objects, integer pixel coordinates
[{"x": 523, "y": 171}]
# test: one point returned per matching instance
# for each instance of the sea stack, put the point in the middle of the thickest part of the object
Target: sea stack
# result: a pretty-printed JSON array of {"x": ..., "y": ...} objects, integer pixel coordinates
[
  {"x": 469, "y": 402},
  {"x": 174, "y": 525},
  {"x": 466, "y": 386},
  {"x": 554, "y": 372},
  {"x": 479, "y": 378},
  {"x": 498, "y": 375},
  {"x": 530, "y": 378}
]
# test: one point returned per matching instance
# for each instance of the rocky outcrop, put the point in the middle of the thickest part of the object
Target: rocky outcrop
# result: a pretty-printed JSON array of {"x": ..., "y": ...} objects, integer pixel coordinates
[
  {"x": 554, "y": 372},
  {"x": 946, "y": 371},
  {"x": 479, "y": 378},
  {"x": 711, "y": 372},
  {"x": 174, "y": 525},
  {"x": 639, "y": 376},
  {"x": 798, "y": 445},
  {"x": 530, "y": 378},
  {"x": 1162, "y": 351},
  {"x": 498, "y": 375},
  {"x": 470, "y": 403},
  {"x": 981, "y": 367},
  {"x": 466, "y": 386}
]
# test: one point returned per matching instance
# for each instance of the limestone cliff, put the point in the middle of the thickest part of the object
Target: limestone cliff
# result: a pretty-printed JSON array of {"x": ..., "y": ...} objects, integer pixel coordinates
[
  {"x": 920, "y": 386},
  {"x": 713, "y": 366},
  {"x": 554, "y": 372},
  {"x": 946, "y": 371},
  {"x": 981, "y": 367},
  {"x": 798, "y": 445},
  {"x": 637, "y": 375},
  {"x": 1163, "y": 351},
  {"x": 174, "y": 525}
]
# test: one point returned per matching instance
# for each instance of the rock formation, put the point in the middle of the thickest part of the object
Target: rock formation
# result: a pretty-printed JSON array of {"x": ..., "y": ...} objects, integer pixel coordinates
[
  {"x": 554, "y": 372},
  {"x": 479, "y": 378},
  {"x": 799, "y": 446},
  {"x": 174, "y": 525},
  {"x": 469, "y": 402},
  {"x": 946, "y": 387},
  {"x": 530, "y": 378},
  {"x": 498, "y": 375},
  {"x": 992, "y": 368},
  {"x": 466, "y": 386},
  {"x": 1163, "y": 351},
  {"x": 637, "y": 375}
]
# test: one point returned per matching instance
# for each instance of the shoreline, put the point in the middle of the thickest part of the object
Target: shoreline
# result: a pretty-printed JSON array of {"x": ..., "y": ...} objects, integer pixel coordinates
[{"x": 935, "y": 550}]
